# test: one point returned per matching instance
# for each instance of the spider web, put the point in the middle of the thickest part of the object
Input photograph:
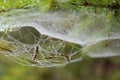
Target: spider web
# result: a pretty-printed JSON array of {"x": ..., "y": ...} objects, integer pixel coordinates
[
  {"x": 51, "y": 52},
  {"x": 59, "y": 38}
]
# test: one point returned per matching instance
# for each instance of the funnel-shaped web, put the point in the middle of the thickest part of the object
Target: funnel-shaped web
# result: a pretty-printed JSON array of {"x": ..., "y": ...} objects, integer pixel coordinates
[{"x": 58, "y": 38}]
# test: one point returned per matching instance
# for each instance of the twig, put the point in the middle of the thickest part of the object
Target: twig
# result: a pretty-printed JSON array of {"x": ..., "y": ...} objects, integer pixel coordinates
[
  {"x": 6, "y": 49},
  {"x": 36, "y": 52}
]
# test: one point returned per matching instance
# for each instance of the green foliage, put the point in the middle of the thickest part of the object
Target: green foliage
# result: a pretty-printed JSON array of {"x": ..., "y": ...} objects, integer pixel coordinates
[
  {"x": 47, "y": 5},
  {"x": 11, "y": 4}
]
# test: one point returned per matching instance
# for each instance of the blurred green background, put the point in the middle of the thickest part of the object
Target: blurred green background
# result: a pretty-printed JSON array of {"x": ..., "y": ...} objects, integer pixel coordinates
[{"x": 88, "y": 69}]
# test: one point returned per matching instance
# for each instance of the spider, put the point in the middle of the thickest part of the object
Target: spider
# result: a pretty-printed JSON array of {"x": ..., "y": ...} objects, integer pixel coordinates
[
  {"x": 49, "y": 57},
  {"x": 66, "y": 56}
]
